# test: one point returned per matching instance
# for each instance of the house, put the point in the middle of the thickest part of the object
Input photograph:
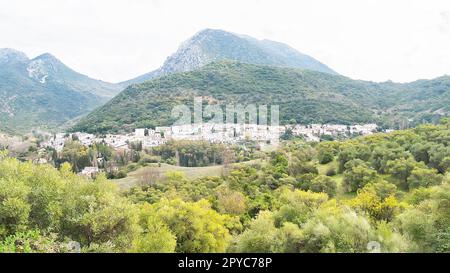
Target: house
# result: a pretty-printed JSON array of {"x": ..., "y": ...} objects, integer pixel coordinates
[
  {"x": 89, "y": 171},
  {"x": 140, "y": 132}
]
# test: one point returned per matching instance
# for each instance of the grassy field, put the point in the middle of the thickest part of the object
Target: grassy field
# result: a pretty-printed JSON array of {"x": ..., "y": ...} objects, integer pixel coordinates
[{"x": 135, "y": 177}]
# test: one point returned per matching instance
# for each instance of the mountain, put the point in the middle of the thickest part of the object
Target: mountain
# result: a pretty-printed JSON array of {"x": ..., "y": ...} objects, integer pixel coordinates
[
  {"x": 44, "y": 93},
  {"x": 212, "y": 45},
  {"x": 304, "y": 96}
]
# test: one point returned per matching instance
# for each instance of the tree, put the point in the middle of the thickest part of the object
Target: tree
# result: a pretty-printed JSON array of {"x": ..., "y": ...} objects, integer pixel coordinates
[
  {"x": 359, "y": 176},
  {"x": 384, "y": 152},
  {"x": 261, "y": 237},
  {"x": 422, "y": 177},
  {"x": 297, "y": 167},
  {"x": 382, "y": 189},
  {"x": 324, "y": 184},
  {"x": 156, "y": 239},
  {"x": 231, "y": 202},
  {"x": 102, "y": 215},
  {"x": 350, "y": 151},
  {"x": 326, "y": 152},
  {"x": 39, "y": 197},
  {"x": 76, "y": 154},
  {"x": 427, "y": 223},
  {"x": 155, "y": 236},
  {"x": 420, "y": 152},
  {"x": 197, "y": 227},
  {"x": 280, "y": 164},
  {"x": 337, "y": 231},
  {"x": 303, "y": 152},
  {"x": 14, "y": 206},
  {"x": 379, "y": 209},
  {"x": 445, "y": 164},
  {"x": 297, "y": 206},
  {"x": 402, "y": 169},
  {"x": 438, "y": 153},
  {"x": 325, "y": 156}
]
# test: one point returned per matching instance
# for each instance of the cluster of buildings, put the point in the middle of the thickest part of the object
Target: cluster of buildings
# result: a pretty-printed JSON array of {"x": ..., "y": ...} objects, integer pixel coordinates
[
  {"x": 314, "y": 132},
  {"x": 225, "y": 133},
  {"x": 119, "y": 141},
  {"x": 211, "y": 132},
  {"x": 56, "y": 141}
]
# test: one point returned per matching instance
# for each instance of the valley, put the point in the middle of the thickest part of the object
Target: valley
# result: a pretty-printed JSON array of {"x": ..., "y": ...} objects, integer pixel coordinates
[{"x": 107, "y": 167}]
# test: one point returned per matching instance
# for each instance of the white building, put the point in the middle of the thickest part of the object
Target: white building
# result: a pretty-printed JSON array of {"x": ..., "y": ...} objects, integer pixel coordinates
[
  {"x": 89, "y": 171},
  {"x": 139, "y": 132}
]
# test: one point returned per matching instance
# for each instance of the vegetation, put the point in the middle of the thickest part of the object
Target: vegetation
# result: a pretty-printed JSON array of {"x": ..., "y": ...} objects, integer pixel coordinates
[
  {"x": 202, "y": 153},
  {"x": 386, "y": 188}
]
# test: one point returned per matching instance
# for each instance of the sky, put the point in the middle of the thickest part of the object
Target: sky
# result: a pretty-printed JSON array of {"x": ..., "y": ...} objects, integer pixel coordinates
[{"x": 115, "y": 40}]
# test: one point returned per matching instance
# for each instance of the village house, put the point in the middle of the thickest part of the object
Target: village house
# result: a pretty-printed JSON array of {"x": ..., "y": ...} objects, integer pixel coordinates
[{"x": 90, "y": 171}]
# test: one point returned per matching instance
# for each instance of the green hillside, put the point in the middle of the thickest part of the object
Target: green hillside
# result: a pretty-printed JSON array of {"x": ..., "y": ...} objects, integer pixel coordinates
[{"x": 304, "y": 96}]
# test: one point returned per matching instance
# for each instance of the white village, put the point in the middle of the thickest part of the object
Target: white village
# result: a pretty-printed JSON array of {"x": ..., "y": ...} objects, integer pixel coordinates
[
  {"x": 228, "y": 134},
  {"x": 213, "y": 133}
]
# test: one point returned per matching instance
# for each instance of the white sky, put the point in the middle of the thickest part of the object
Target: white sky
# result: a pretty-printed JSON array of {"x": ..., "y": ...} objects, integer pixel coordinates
[{"x": 115, "y": 40}]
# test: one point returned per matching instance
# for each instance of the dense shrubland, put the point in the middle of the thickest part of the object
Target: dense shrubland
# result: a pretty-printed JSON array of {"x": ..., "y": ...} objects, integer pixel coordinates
[{"x": 326, "y": 197}]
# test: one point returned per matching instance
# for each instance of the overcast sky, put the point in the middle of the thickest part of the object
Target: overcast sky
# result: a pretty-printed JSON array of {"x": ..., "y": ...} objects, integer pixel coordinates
[{"x": 115, "y": 40}]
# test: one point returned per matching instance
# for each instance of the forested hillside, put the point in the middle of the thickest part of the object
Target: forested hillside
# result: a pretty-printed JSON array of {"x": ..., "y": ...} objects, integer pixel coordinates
[
  {"x": 305, "y": 197},
  {"x": 303, "y": 96}
]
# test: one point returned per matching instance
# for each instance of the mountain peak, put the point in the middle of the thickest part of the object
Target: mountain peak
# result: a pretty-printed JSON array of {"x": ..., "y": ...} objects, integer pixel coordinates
[
  {"x": 10, "y": 55},
  {"x": 210, "y": 45},
  {"x": 45, "y": 66},
  {"x": 8, "y": 50},
  {"x": 210, "y": 32},
  {"x": 46, "y": 56},
  {"x": 49, "y": 58}
]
